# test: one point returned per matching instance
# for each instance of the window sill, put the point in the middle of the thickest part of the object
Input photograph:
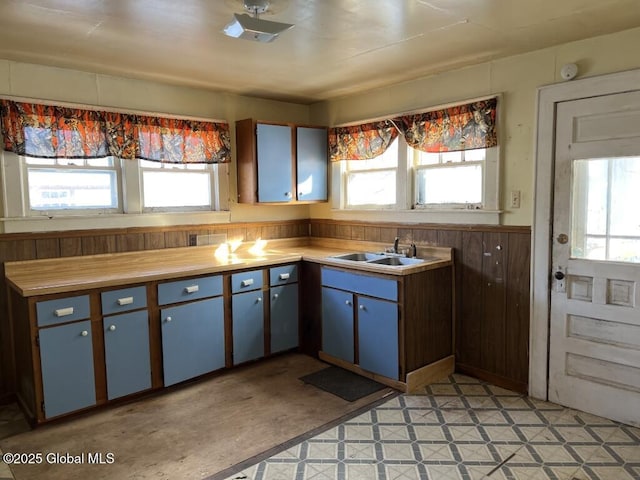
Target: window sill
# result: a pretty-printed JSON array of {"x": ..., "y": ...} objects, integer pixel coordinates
[
  {"x": 88, "y": 222},
  {"x": 422, "y": 215}
]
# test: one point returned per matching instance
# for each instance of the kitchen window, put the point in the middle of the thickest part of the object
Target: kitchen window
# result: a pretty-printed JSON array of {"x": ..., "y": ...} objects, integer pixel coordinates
[
  {"x": 441, "y": 160},
  {"x": 72, "y": 185},
  {"x": 372, "y": 183},
  {"x": 170, "y": 186},
  {"x": 453, "y": 180}
]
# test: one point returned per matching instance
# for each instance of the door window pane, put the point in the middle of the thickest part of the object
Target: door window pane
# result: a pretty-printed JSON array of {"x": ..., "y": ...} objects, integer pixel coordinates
[{"x": 605, "y": 220}]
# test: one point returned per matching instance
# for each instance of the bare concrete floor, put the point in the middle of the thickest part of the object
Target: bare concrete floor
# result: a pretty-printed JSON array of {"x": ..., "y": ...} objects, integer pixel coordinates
[{"x": 192, "y": 432}]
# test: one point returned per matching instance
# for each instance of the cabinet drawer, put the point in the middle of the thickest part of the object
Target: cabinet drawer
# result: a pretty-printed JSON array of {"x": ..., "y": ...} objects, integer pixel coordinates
[
  {"x": 283, "y": 275},
  {"x": 123, "y": 300},
  {"x": 246, "y": 281},
  {"x": 190, "y": 289},
  {"x": 362, "y": 284},
  {"x": 62, "y": 310}
]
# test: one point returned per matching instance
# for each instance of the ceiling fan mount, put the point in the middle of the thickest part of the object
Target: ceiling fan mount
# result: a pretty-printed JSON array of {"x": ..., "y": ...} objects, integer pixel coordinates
[{"x": 252, "y": 27}]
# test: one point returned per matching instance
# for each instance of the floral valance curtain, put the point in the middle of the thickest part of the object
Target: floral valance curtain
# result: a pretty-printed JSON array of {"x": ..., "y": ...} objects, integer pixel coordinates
[
  {"x": 51, "y": 131},
  {"x": 462, "y": 127},
  {"x": 361, "y": 142}
]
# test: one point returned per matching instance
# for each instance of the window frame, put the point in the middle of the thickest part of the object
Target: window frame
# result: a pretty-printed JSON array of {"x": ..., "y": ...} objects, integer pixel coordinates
[
  {"x": 489, "y": 188},
  {"x": 213, "y": 171},
  {"x": 341, "y": 170},
  {"x": 29, "y": 211}
]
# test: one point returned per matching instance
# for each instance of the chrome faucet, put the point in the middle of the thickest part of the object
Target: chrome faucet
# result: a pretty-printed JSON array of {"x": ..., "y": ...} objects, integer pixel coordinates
[{"x": 395, "y": 245}]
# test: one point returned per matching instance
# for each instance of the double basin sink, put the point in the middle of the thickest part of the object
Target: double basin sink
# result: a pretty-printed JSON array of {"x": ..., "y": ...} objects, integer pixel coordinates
[{"x": 390, "y": 259}]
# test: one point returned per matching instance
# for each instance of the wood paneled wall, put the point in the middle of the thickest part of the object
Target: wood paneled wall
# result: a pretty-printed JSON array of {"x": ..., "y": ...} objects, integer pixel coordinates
[
  {"x": 30, "y": 246},
  {"x": 492, "y": 289}
]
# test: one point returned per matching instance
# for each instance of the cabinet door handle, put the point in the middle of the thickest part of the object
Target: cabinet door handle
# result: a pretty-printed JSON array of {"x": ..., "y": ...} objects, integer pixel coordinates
[
  {"x": 246, "y": 283},
  {"x": 192, "y": 289},
  {"x": 112, "y": 328},
  {"x": 84, "y": 333},
  {"x": 284, "y": 276},
  {"x": 362, "y": 307},
  {"x": 347, "y": 302},
  {"x": 125, "y": 301},
  {"x": 258, "y": 300},
  {"x": 168, "y": 319},
  {"x": 287, "y": 194},
  {"x": 275, "y": 295},
  {"x": 63, "y": 312}
]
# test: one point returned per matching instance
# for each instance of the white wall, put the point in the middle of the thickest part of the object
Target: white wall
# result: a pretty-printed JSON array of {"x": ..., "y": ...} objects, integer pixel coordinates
[
  {"x": 517, "y": 78},
  {"x": 64, "y": 85}
]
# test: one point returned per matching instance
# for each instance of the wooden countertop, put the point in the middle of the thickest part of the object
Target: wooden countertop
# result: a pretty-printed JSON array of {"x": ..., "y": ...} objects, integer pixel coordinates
[{"x": 72, "y": 274}]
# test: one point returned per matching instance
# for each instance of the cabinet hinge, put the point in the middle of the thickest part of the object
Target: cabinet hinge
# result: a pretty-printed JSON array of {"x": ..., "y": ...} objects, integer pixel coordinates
[
  {"x": 37, "y": 340},
  {"x": 42, "y": 406}
]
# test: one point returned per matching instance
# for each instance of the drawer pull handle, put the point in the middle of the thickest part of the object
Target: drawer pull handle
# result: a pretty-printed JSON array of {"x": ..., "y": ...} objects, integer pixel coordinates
[
  {"x": 125, "y": 301},
  {"x": 192, "y": 289},
  {"x": 112, "y": 328},
  {"x": 284, "y": 276},
  {"x": 246, "y": 283},
  {"x": 84, "y": 333},
  {"x": 63, "y": 312},
  {"x": 275, "y": 295}
]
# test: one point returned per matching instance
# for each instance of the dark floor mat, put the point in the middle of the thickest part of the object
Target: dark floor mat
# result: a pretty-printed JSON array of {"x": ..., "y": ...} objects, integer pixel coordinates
[{"x": 343, "y": 383}]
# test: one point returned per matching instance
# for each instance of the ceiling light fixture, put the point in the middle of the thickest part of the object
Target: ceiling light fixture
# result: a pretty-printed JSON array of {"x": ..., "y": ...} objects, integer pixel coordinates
[{"x": 254, "y": 28}]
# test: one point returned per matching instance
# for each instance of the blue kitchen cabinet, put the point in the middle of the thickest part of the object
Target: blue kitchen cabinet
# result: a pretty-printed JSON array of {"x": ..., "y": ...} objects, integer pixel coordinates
[
  {"x": 367, "y": 304},
  {"x": 311, "y": 163},
  {"x": 378, "y": 336},
  {"x": 337, "y": 324},
  {"x": 248, "y": 326},
  {"x": 192, "y": 339},
  {"x": 66, "y": 360},
  {"x": 126, "y": 341},
  {"x": 275, "y": 169},
  {"x": 284, "y": 317},
  {"x": 284, "y": 313},
  {"x": 127, "y": 358},
  {"x": 281, "y": 163}
]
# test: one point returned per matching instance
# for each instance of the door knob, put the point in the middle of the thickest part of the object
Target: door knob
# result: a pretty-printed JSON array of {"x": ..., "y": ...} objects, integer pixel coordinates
[{"x": 559, "y": 275}]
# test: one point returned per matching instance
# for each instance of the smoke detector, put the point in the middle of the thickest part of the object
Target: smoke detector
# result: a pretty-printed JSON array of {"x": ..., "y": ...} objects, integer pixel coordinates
[{"x": 253, "y": 27}]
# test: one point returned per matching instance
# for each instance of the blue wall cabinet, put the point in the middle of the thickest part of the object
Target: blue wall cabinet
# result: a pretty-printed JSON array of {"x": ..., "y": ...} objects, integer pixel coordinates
[
  {"x": 248, "y": 326},
  {"x": 378, "y": 336},
  {"x": 337, "y": 324},
  {"x": 127, "y": 359},
  {"x": 192, "y": 339},
  {"x": 312, "y": 155},
  {"x": 281, "y": 163},
  {"x": 66, "y": 357},
  {"x": 284, "y": 317},
  {"x": 275, "y": 170}
]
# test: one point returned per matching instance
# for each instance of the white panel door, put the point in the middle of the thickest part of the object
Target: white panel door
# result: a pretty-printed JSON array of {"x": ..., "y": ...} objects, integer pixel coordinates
[{"x": 594, "y": 354}]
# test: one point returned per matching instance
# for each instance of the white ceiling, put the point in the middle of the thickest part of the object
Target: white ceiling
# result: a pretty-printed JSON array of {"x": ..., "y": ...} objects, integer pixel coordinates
[{"x": 337, "y": 47}]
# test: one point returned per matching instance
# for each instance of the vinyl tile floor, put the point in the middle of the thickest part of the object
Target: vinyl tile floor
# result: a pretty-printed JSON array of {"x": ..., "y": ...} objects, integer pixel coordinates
[{"x": 459, "y": 429}]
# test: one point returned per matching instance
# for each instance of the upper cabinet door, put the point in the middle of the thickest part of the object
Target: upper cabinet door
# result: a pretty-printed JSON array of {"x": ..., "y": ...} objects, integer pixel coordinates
[
  {"x": 312, "y": 163},
  {"x": 274, "y": 163}
]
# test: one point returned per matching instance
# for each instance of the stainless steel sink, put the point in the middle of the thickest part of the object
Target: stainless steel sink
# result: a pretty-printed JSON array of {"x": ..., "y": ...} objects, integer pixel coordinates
[
  {"x": 391, "y": 259},
  {"x": 396, "y": 261},
  {"x": 359, "y": 257}
]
